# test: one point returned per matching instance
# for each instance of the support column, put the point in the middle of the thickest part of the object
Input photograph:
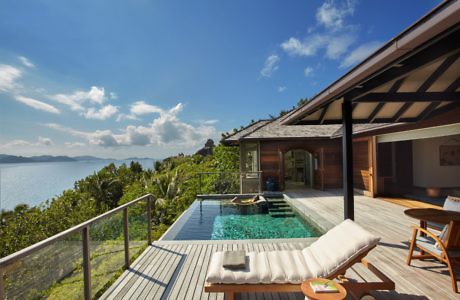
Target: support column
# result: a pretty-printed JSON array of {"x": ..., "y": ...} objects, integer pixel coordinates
[{"x": 347, "y": 160}]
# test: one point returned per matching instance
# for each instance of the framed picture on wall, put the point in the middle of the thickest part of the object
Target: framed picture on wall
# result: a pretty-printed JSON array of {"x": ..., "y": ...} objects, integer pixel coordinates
[{"x": 449, "y": 155}]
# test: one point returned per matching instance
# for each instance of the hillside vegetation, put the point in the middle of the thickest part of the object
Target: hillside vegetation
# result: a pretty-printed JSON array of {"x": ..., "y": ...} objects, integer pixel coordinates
[{"x": 173, "y": 183}]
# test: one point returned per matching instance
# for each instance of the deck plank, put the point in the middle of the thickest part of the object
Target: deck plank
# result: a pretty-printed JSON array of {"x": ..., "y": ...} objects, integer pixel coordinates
[{"x": 177, "y": 269}]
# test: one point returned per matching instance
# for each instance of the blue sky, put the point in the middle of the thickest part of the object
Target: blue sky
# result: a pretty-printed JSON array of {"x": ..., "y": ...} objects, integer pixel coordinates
[{"x": 154, "y": 78}]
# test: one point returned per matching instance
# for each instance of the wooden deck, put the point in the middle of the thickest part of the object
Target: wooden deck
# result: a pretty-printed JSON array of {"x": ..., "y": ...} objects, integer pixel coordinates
[{"x": 177, "y": 269}]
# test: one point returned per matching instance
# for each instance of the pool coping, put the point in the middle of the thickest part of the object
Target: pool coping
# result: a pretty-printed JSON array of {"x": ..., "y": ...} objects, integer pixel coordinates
[
  {"x": 308, "y": 240},
  {"x": 319, "y": 222}
]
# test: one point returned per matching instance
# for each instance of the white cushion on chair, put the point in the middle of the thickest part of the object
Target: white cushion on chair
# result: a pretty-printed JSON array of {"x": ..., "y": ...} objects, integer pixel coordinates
[
  {"x": 261, "y": 267},
  {"x": 337, "y": 247},
  {"x": 332, "y": 251},
  {"x": 452, "y": 203}
]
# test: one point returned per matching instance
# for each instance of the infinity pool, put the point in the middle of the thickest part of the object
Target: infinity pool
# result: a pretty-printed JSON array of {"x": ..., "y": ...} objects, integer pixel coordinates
[{"x": 223, "y": 220}]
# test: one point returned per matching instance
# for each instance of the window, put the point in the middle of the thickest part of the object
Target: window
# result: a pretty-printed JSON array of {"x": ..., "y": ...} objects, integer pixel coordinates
[{"x": 251, "y": 158}]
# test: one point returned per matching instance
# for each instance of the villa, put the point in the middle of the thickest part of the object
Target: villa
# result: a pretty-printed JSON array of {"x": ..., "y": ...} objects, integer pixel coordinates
[
  {"x": 388, "y": 159},
  {"x": 389, "y": 128}
]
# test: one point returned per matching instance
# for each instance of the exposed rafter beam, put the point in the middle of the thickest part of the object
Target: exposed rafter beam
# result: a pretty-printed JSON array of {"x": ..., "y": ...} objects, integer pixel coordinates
[
  {"x": 439, "y": 49},
  {"x": 400, "y": 112},
  {"x": 454, "y": 85},
  {"x": 438, "y": 72},
  {"x": 394, "y": 88},
  {"x": 428, "y": 110},
  {"x": 323, "y": 113},
  {"x": 431, "y": 79},
  {"x": 374, "y": 113},
  {"x": 409, "y": 97}
]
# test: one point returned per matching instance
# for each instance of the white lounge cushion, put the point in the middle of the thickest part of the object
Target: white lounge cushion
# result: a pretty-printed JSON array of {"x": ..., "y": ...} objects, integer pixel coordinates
[
  {"x": 337, "y": 247},
  {"x": 333, "y": 250},
  {"x": 287, "y": 266}
]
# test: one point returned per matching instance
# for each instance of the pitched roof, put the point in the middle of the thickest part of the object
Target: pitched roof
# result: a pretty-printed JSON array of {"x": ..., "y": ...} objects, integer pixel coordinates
[
  {"x": 235, "y": 137},
  {"x": 275, "y": 130},
  {"x": 361, "y": 128}
]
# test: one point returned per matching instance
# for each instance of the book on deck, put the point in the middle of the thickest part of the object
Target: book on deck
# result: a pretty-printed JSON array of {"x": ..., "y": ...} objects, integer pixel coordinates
[{"x": 324, "y": 287}]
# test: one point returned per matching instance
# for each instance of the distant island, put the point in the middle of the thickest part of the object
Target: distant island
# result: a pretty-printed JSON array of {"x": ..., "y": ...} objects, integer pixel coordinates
[{"x": 13, "y": 159}]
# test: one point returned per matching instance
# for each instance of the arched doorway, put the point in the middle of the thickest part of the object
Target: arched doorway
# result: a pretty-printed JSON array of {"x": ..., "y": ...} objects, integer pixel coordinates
[{"x": 298, "y": 169}]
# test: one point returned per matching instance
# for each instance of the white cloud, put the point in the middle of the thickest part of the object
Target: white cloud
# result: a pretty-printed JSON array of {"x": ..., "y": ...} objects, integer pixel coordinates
[
  {"x": 74, "y": 145},
  {"x": 37, "y": 104},
  {"x": 122, "y": 117},
  {"x": 210, "y": 122},
  {"x": 95, "y": 95},
  {"x": 270, "y": 65},
  {"x": 338, "y": 45},
  {"x": 141, "y": 108},
  {"x": 45, "y": 141},
  {"x": 8, "y": 77},
  {"x": 336, "y": 37},
  {"x": 359, "y": 54},
  {"x": 308, "y": 47},
  {"x": 26, "y": 62},
  {"x": 166, "y": 129},
  {"x": 308, "y": 71},
  {"x": 15, "y": 143},
  {"x": 281, "y": 88},
  {"x": 112, "y": 95},
  {"x": 101, "y": 114},
  {"x": 41, "y": 141},
  {"x": 335, "y": 45},
  {"x": 332, "y": 15}
]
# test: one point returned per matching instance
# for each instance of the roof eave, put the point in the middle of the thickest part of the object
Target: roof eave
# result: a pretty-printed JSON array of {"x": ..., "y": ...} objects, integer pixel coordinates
[{"x": 440, "y": 19}]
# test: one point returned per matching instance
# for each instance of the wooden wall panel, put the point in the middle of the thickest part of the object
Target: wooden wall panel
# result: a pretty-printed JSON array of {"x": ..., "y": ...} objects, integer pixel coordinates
[
  {"x": 361, "y": 164},
  {"x": 327, "y": 151}
]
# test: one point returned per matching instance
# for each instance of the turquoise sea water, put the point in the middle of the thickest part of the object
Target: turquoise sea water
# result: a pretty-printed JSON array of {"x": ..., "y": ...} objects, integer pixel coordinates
[{"x": 33, "y": 183}]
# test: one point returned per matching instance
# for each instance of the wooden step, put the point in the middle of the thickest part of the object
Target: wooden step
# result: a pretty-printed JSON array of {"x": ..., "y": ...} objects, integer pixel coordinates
[
  {"x": 282, "y": 214},
  {"x": 280, "y": 209}
]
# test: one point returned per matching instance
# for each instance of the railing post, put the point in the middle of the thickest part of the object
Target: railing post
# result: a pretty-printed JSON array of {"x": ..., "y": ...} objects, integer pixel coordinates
[
  {"x": 2, "y": 286},
  {"x": 201, "y": 192},
  {"x": 149, "y": 220},
  {"x": 86, "y": 263},
  {"x": 126, "y": 236}
]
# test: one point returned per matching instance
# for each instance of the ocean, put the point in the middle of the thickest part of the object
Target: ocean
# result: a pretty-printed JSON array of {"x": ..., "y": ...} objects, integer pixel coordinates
[{"x": 33, "y": 183}]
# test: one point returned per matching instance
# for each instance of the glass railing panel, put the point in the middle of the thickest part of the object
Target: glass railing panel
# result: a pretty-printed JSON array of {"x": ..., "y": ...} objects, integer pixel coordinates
[
  {"x": 106, "y": 252},
  {"x": 138, "y": 229},
  {"x": 52, "y": 272}
]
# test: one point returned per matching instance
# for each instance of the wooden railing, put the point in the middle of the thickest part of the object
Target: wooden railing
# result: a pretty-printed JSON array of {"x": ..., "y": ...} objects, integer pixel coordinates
[
  {"x": 242, "y": 179},
  {"x": 83, "y": 229}
]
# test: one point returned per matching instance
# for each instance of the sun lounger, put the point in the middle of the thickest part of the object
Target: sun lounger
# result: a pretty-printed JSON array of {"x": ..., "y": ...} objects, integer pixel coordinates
[{"x": 283, "y": 271}]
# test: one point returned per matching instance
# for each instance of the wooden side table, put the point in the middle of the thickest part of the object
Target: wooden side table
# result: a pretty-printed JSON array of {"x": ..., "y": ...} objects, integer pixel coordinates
[{"x": 310, "y": 294}]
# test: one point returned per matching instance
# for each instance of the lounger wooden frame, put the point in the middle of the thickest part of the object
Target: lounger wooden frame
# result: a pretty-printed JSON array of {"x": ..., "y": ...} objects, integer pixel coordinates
[{"x": 356, "y": 289}]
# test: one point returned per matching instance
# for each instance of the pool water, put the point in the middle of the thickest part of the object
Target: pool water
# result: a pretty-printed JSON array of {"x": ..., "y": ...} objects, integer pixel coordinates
[{"x": 223, "y": 220}]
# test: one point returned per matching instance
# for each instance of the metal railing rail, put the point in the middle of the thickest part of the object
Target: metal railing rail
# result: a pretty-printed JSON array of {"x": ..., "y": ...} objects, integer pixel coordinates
[
  {"x": 241, "y": 177},
  {"x": 84, "y": 229}
]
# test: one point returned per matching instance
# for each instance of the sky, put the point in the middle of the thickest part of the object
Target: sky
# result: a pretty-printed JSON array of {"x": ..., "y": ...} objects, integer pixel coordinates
[{"x": 149, "y": 78}]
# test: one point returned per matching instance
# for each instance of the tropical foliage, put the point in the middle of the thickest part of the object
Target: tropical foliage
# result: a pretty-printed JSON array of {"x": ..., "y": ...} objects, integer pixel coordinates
[{"x": 174, "y": 183}]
